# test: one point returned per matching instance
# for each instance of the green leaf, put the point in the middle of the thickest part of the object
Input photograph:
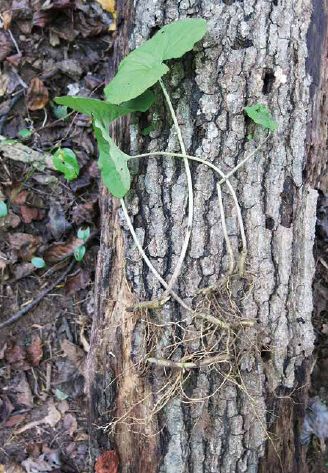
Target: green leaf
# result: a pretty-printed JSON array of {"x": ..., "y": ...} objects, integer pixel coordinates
[
  {"x": 104, "y": 111},
  {"x": 60, "y": 112},
  {"x": 177, "y": 38},
  {"x": 64, "y": 160},
  {"x": 24, "y": 133},
  {"x": 112, "y": 163},
  {"x": 79, "y": 253},
  {"x": 146, "y": 131},
  {"x": 261, "y": 115},
  {"x": 144, "y": 66},
  {"x": 83, "y": 233},
  {"x": 38, "y": 262},
  {"x": 60, "y": 395},
  {"x": 3, "y": 209}
]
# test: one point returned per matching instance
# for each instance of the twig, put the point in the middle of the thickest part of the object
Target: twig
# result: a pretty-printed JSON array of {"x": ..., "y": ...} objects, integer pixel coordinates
[
  {"x": 36, "y": 301},
  {"x": 14, "y": 42},
  {"x": 178, "y": 267}
]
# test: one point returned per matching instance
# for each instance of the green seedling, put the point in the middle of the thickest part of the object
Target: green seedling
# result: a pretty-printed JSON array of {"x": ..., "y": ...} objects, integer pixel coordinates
[
  {"x": 25, "y": 133},
  {"x": 261, "y": 115},
  {"x": 79, "y": 253},
  {"x": 64, "y": 160},
  {"x": 38, "y": 262},
  {"x": 3, "y": 209},
  {"x": 83, "y": 233}
]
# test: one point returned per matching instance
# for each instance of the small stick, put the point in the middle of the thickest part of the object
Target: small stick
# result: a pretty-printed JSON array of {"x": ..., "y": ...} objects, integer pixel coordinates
[{"x": 36, "y": 301}]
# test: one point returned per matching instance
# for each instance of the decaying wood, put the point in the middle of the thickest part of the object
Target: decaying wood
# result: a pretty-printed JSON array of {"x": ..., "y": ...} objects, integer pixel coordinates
[{"x": 255, "y": 51}]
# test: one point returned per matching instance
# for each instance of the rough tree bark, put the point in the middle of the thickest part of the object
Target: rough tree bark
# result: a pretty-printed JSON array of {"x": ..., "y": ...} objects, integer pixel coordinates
[{"x": 255, "y": 51}]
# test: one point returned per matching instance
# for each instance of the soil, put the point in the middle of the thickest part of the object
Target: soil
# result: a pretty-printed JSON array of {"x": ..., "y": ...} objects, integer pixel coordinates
[{"x": 47, "y": 49}]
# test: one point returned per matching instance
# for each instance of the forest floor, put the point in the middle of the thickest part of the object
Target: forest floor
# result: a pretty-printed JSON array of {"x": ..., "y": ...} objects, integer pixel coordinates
[
  {"x": 50, "y": 48},
  {"x": 47, "y": 49}
]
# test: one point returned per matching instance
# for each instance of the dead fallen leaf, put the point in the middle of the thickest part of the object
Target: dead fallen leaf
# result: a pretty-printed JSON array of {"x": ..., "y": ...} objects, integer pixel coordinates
[
  {"x": 6, "y": 17},
  {"x": 84, "y": 213},
  {"x": 20, "y": 271},
  {"x": 6, "y": 408},
  {"x": 107, "y": 462},
  {"x": 78, "y": 281},
  {"x": 14, "y": 353},
  {"x": 10, "y": 221},
  {"x": 41, "y": 18},
  {"x": 108, "y": 5},
  {"x": 75, "y": 354},
  {"x": 14, "y": 420},
  {"x": 34, "y": 351},
  {"x": 70, "y": 424},
  {"x": 14, "y": 59},
  {"x": 25, "y": 244},
  {"x": 17, "y": 196},
  {"x": 12, "y": 468},
  {"x": 58, "y": 225},
  {"x": 59, "y": 251},
  {"x": 37, "y": 95},
  {"x": 4, "y": 82},
  {"x": 24, "y": 395},
  {"x": 51, "y": 419},
  {"x": 48, "y": 461},
  {"x": 6, "y": 45},
  {"x": 30, "y": 213}
]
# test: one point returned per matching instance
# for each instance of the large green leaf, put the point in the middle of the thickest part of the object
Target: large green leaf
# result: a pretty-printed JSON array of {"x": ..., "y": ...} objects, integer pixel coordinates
[
  {"x": 104, "y": 111},
  {"x": 144, "y": 66},
  {"x": 112, "y": 163}
]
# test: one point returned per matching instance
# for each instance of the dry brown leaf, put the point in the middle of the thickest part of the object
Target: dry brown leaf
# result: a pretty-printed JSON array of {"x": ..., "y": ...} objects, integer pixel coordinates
[
  {"x": 59, "y": 251},
  {"x": 24, "y": 395},
  {"x": 25, "y": 244},
  {"x": 14, "y": 353},
  {"x": 37, "y": 95},
  {"x": 12, "y": 468},
  {"x": 51, "y": 419},
  {"x": 6, "y": 45},
  {"x": 30, "y": 213},
  {"x": 14, "y": 420},
  {"x": 10, "y": 221},
  {"x": 6, "y": 17},
  {"x": 108, "y": 5},
  {"x": 34, "y": 351},
  {"x": 78, "y": 281},
  {"x": 70, "y": 424},
  {"x": 107, "y": 462},
  {"x": 75, "y": 354}
]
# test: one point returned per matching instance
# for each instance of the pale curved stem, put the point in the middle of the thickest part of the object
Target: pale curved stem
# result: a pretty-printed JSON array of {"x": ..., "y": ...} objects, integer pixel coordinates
[
  {"x": 185, "y": 244},
  {"x": 175, "y": 296},
  {"x": 231, "y": 190},
  {"x": 225, "y": 232}
]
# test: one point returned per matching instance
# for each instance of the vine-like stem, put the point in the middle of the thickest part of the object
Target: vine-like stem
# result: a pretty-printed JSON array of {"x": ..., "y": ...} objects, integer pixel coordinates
[
  {"x": 185, "y": 244},
  {"x": 225, "y": 232},
  {"x": 175, "y": 296},
  {"x": 231, "y": 190}
]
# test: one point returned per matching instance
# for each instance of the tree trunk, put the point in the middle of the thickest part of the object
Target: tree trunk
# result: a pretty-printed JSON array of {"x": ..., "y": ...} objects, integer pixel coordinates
[{"x": 244, "y": 415}]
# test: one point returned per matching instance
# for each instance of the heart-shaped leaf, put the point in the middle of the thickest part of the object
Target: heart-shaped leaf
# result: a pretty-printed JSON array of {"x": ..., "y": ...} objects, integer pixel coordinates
[
  {"x": 112, "y": 162},
  {"x": 64, "y": 160},
  {"x": 144, "y": 66},
  {"x": 261, "y": 115}
]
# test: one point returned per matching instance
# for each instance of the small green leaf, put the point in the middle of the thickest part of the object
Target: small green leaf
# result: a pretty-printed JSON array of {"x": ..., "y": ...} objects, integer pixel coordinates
[
  {"x": 3, "y": 209},
  {"x": 146, "y": 131},
  {"x": 261, "y": 115},
  {"x": 79, "y": 253},
  {"x": 64, "y": 160},
  {"x": 104, "y": 111},
  {"x": 38, "y": 262},
  {"x": 25, "y": 133},
  {"x": 112, "y": 163},
  {"x": 60, "y": 395},
  {"x": 83, "y": 234},
  {"x": 60, "y": 112},
  {"x": 144, "y": 66}
]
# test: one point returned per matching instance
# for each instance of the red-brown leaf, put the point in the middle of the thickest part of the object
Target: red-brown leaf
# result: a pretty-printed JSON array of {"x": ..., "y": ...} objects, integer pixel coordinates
[
  {"x": 107, "y": 462},
  {"x": 37, "y": 95},
  {"x": 30, "y": 213},
  {"x": 34, "y": 351},
  {"x": 59, "y": 251}
]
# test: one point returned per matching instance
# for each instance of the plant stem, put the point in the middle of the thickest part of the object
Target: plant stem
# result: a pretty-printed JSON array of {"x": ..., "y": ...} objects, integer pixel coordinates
[
  {"x": 185, "y": 244},
  {"x": 175, "y": 296},
  {"x": 231, "y": 190},
  {"x": 225, "y": 232}
]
